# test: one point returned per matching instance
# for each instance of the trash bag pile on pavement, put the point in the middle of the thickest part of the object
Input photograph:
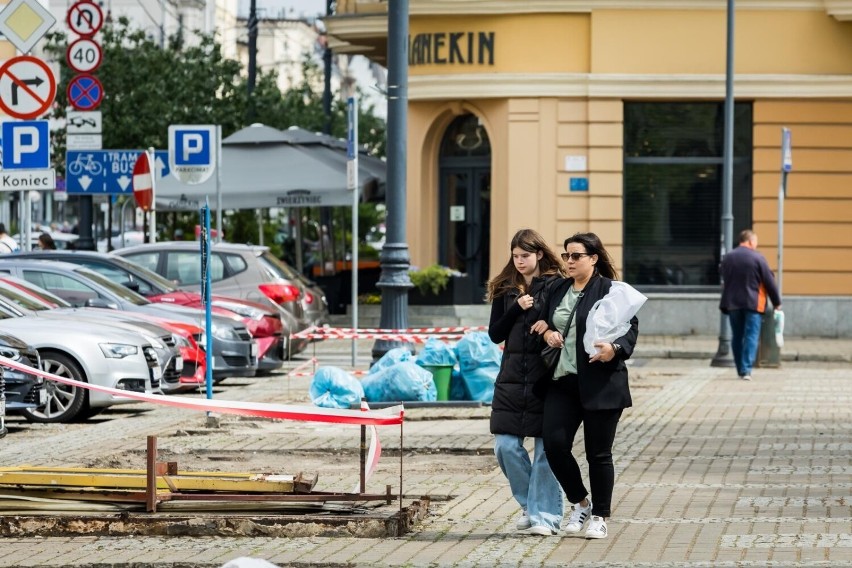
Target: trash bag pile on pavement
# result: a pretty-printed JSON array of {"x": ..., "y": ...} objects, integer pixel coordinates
[{"x": 400, "y": 376}]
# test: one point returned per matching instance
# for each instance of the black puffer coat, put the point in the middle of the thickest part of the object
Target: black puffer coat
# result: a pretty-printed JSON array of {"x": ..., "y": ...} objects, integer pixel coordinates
[{"x": 515, "y": 409}]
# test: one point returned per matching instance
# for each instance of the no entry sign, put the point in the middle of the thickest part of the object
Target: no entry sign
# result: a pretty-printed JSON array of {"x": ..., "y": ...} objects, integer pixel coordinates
[
  {"x": 143, "y": 182},
  {"x": 27, "y": 87},
  {"x": 85, "y": 92}
]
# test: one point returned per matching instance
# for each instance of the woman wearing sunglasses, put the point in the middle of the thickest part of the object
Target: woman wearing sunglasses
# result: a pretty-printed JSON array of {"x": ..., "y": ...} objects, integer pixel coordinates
[
  {"x": 516, "y": 413},
  {"x": 588, "y": 390}
]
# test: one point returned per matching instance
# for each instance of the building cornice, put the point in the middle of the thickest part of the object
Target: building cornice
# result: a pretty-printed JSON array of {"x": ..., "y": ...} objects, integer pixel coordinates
[
  {"x": 438, "y": 7},
  {"x": 512, "y": 85}
]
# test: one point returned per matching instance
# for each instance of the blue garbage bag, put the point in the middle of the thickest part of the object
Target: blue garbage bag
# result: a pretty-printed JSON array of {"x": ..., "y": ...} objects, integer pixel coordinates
[
  {"x": 404, "y": 381},
  {"x": 436, "y": 352},
  {"x": 391, "y": 358},
  {"x": 457, "y": 388},
  {"x": 479, "y": 362},
  {"x": 332, "y": 387}
]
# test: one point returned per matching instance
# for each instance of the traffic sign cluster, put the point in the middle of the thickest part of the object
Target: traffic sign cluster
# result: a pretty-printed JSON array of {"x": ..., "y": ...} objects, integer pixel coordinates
[{"x": 84, "y": 92}]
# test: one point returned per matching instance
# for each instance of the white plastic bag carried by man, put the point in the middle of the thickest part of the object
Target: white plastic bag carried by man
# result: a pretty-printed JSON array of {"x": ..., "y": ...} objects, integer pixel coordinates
[{"x": 610, "y": 316}]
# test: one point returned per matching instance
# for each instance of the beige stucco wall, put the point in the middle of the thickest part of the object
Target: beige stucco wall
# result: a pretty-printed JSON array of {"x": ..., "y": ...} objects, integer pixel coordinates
[{"x": 531, "y": 134}]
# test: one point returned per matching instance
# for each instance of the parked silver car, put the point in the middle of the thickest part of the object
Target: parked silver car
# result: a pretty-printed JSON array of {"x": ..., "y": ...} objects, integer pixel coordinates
[
  {"x": 92, "y": 353},
  {"x": 243, "y": 271}
]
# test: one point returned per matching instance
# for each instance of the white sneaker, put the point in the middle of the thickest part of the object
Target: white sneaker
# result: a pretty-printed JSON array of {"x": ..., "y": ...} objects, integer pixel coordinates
[
  {"x": 541, "y": 531},
  {"x": 523, "y": 522},
  {"x": 578, "y": 518},
  {"x": 596, "y": 528}
]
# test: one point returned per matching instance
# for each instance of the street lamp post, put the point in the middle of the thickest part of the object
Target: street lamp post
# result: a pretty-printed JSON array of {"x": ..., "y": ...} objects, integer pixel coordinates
[
  {"x": 723, "y": 356},
  {"x": 394, "y": 281}
]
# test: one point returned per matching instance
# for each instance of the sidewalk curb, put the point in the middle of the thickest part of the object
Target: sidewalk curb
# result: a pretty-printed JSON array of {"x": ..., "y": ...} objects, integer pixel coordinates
[{"x": 662, "y": 353}]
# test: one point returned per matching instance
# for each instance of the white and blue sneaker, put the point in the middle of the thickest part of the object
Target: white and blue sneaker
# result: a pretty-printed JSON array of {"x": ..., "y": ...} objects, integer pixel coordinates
[{"x": 578, "y": 518}]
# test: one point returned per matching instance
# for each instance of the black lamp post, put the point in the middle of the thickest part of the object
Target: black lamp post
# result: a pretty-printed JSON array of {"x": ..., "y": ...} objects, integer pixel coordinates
[
  {"x": 394, "y": 259},
  {"x": 723, "y": 356}
]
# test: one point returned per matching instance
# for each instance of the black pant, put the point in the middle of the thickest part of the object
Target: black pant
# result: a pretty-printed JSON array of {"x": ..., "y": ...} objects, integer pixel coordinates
[{"x": 563, "y": 413}]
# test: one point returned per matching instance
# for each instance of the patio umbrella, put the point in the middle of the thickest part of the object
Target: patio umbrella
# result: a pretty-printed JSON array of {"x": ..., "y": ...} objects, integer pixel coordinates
[{"x": 266, "y": 167}]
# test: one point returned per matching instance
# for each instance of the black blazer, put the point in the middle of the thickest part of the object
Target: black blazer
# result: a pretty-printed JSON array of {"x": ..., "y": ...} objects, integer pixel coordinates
[{"x": 603, "y": 386}]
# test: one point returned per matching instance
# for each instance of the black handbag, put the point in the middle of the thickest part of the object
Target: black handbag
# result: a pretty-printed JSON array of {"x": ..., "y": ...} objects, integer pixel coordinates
[{"x": 550, "y": 355}]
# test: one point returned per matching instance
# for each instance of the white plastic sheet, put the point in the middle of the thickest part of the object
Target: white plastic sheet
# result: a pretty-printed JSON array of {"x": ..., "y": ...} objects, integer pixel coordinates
[{"x": 610, "y": 316}]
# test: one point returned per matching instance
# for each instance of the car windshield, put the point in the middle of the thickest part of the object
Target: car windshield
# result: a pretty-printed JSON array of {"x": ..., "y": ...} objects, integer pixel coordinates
[
  {"x": 164, "y": 286},
  {"x": 117, "y": 289}
]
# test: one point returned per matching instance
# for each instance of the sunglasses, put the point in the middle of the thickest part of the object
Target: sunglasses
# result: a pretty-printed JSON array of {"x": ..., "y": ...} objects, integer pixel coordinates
[{"x": 575, "y": 256}]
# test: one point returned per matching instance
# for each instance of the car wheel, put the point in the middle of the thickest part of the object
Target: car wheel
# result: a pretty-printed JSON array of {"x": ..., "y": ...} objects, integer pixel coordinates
[{"x": 64, "y": 402}]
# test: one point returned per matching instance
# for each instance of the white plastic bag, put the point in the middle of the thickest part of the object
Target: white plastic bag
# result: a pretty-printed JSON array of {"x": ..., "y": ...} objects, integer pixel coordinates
[
  {"x": 779, "y": 328},
  {"x": 610, "y": 316}
]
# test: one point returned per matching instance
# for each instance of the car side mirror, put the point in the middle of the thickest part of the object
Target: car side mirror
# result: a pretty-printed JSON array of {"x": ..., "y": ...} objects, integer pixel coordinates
[
  {"x": 131, "y": 285},
  {"x": 100, "y": 303}
]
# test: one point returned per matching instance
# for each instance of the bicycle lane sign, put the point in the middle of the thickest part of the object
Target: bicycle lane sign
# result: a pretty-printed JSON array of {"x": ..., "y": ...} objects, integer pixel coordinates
[{"x": 107, "y": 172}]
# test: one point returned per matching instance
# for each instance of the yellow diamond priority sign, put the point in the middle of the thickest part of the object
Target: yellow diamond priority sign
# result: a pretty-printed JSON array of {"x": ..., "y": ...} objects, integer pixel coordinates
[{"x": 24, "y": 22}]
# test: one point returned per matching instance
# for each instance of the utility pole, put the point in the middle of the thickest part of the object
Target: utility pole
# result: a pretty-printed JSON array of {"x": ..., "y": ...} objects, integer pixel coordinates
[
  {"x": 252, "y": 57},
  {"x": 724, "y": 357},
  {"x": 394, "y": 281}
]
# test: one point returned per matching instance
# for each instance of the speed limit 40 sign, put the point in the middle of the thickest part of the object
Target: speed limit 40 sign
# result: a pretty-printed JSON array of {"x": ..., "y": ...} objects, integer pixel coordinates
[{"x": 84, "y": 55}]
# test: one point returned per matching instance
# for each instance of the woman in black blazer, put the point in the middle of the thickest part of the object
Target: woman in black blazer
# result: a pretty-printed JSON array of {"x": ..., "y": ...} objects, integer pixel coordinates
[{"x": 588, "y": 390}]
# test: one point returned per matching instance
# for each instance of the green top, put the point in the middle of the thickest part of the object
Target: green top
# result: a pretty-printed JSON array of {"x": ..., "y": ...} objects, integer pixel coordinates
[{"x": 568, "y": 358}]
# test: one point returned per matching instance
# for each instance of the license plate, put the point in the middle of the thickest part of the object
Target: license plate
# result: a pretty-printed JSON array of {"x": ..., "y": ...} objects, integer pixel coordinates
[
  {"x": 3, "y": 407},
  {"x": 253, "y": 349},
  {"x": 158, "y": 373},
  {"x": 178, "y": 363},
  {"x": 42, "y": 397}
]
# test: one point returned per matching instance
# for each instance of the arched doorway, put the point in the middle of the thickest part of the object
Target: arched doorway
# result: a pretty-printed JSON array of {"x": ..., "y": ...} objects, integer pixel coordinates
[{"x": 464, "y": 205}]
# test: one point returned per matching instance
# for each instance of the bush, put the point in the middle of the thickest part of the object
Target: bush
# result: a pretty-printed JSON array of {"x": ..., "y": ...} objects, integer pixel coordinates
[{"x": 432, "y": 279}]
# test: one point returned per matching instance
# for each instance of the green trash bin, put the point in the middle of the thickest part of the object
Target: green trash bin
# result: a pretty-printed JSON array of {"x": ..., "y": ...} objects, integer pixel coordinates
[
  {"x": 441, "y": 375},
  {"x": 768, "y": 352}
]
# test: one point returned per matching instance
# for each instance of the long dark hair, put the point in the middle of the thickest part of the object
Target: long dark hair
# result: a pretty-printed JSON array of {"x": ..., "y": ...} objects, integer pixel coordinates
[
  {"x": 593, "y": 245},
  {"x": 509, "y": 278}
]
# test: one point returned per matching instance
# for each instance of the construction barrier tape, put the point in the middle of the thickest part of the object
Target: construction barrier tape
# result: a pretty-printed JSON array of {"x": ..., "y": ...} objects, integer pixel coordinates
[
  {"x": 402, "y": 331},
  {"x": 407, "y": 338},
  {"x": 385, "y": 417}
]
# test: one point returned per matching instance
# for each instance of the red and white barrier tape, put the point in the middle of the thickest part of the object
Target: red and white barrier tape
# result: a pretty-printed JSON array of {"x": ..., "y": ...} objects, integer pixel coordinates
[
  {"x": 415, "y": 330},
  {"x": 406, "y": 338},
  {"x": 385, "y": 417}
]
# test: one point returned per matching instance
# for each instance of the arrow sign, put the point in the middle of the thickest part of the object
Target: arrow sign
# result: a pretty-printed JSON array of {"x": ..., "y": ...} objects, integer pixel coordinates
[
  {"x": 107, "y": 172},
  {"x": 143, "y": 182}
]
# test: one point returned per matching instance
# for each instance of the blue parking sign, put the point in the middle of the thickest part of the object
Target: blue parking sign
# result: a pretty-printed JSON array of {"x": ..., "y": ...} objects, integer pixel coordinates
[
  {"x": 192, "y": 152},
  {"x": 26, "y": 145}
]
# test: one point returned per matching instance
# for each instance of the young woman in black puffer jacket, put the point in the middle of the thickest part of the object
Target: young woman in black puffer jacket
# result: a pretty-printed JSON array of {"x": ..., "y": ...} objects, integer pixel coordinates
[{"x": 517, "y": 304}]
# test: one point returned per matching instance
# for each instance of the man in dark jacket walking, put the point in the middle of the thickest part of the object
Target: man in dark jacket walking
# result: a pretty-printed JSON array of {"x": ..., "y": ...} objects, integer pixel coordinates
[{"x": 747, "y": 282}]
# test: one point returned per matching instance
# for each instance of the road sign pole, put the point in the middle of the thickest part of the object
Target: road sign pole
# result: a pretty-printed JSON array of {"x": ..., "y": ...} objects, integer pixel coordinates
[
  {"x": 219, "y": 227},
  {"x": 352, "y": 163},
  {"x": 152, "y": 165}
]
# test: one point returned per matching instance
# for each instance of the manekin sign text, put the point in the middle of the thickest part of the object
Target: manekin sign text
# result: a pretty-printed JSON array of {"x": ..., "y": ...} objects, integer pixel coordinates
[{"x": 451, "y": 48}]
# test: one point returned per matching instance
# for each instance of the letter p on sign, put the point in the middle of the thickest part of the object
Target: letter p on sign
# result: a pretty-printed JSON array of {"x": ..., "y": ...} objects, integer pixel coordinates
[
  {"x": 26, "y": 145},
  {"x": 192, "y": 152}
]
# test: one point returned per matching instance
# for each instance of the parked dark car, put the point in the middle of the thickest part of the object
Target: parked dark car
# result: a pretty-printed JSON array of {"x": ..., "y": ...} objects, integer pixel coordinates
[{"x": 18, "y": 390}]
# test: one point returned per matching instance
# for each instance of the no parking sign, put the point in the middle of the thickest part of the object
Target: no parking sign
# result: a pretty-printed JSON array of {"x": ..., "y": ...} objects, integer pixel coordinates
[{"x": 85, "y": 92}]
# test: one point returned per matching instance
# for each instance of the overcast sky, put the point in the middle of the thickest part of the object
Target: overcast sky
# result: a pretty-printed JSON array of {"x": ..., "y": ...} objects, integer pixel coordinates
[{"x": 292, "y": 8}]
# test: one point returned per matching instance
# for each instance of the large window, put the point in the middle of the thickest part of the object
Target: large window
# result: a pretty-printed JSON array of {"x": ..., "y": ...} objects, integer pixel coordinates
[{"x": 673, "y": 155}]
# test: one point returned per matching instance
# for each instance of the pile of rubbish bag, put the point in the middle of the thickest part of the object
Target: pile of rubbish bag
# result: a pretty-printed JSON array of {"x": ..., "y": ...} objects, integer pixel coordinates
[{"x": 400, "y": 376}]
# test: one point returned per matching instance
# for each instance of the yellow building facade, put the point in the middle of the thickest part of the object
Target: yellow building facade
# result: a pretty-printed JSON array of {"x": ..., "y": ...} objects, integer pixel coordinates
[{"x": 606, "y": 116}]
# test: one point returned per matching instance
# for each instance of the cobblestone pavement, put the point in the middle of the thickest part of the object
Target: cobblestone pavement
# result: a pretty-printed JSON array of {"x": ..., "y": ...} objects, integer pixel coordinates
[{"x": 712, "y": 471}]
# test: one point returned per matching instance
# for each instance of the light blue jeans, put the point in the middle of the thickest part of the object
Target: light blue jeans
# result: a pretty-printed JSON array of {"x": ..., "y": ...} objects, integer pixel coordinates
[
  {"x": 745, "y": 335},
  {"x": 533, "y": 484}
]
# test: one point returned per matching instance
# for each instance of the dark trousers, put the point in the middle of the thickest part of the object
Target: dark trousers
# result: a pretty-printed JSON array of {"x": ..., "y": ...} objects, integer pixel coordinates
[{"x": 563, "y": 414}]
